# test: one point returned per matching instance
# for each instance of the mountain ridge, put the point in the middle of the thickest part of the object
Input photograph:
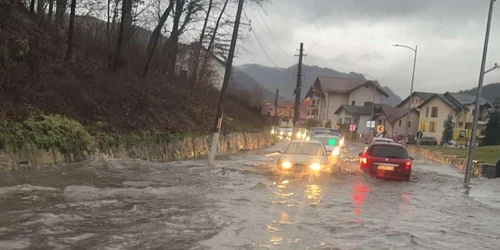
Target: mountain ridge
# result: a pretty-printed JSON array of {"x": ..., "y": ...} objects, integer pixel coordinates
[{"x": 273, "y": 78}]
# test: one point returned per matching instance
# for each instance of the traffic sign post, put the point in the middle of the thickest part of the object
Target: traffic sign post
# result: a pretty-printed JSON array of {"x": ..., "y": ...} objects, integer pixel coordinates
[
  {"x": 352, "y": 127},
  {"x": 380, "y": 129}
]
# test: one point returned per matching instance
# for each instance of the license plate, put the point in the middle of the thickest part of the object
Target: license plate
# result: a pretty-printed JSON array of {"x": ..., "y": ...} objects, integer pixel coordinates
[{"x": 387, "y": 168}]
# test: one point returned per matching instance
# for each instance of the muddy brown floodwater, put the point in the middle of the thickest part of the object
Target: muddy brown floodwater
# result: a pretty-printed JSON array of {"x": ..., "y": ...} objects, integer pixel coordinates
[{"x": 241, "y": 204}]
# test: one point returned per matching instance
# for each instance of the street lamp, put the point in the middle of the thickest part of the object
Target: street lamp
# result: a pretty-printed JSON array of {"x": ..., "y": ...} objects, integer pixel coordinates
[
  {"x": 411, "y": 88},
  {"x": 482, "y": 72}
]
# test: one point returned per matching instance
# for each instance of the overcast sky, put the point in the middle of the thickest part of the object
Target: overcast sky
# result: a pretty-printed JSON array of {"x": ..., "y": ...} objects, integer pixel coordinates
[{"x": 357, "y": 35}]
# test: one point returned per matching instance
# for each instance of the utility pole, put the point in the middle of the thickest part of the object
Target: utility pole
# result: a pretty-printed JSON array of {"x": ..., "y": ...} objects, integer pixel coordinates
[
  {"x": 276, "y": 106},
  {"x": 472, "y": 143},
  {"x": 227, "y": 76},
  {"x": 296, "y": 115}
]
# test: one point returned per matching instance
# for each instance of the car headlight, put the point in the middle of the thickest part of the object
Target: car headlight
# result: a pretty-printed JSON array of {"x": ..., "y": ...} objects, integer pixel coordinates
[
  {"x": 307, "y": 138},
  {"x": 281, "y": 132},
  {"x": 315, "y": 166},
  {"x": 336, "y": 151},
  {"x": 289, "y": 133},
  {"x": 286, "y": 164},
  {"x": 299, "y": 135},
  {"x": 341, "y": 142}
]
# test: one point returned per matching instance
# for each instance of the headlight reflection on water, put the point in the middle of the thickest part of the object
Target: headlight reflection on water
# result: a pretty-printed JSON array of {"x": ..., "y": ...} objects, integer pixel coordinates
[{"x": 313, "y": 193}]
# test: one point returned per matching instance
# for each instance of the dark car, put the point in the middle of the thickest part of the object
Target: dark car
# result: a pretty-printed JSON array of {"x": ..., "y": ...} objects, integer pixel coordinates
[
  {"x": 389, "y": 161},
  {"x": 428, "y": 141}
]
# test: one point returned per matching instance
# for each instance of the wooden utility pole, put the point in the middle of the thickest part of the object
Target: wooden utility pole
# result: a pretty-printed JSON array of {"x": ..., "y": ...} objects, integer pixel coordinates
[
  {"x": 296, "y": 115},
  {"x": 225, "y": 83},
  {"x": 276, "y": 107}
]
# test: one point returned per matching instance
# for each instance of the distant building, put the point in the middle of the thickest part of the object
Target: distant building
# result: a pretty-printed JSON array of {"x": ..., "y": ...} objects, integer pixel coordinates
[
  {"x": 434, "y": 112},
  {"x": 328, "y": 94},
  {"x": 394, "y": 120}
]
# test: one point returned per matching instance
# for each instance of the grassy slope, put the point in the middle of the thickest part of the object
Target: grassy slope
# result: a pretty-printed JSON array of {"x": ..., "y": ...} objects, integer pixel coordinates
[
  {"x": 86, "y": 90},
  {"x": 489, "y": 154}
]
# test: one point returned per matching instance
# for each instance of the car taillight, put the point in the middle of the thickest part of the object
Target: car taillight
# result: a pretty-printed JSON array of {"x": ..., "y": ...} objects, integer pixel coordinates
[
  {"x": 408, "y": 165},
  {"x": 364, "y": 160}
]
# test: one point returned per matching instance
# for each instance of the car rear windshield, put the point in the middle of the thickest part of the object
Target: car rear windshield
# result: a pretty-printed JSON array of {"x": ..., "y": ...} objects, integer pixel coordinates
[
  {"x": 299, "y": 148},
  {"x": 328, "y": 141},
  {"x": 388, "y": 151}
]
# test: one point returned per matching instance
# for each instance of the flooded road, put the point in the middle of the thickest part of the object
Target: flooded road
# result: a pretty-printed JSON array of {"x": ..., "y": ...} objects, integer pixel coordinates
[{"x": 241, "y": 204}]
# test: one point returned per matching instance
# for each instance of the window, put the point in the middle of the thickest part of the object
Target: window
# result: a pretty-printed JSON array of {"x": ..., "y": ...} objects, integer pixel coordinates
[
  {"x": 434, "y": 113},
  {"x": 423, "y": 126},
  {"x": 301, "y": 148},
  {"x": 379, "y": 122},
  {"x": 386, "y": 151},
  {"x": 368, "y": 104},
  {"x": 427, "y": 112},
  {"x": 432, "y": 128},
  {"x": 353, "y": 103},
  {"x": 340, "y": 121},
  {"x": 399, "y": 123},
  {"x": 460, "y": 124},
  {"x": 409, "y": 124}
]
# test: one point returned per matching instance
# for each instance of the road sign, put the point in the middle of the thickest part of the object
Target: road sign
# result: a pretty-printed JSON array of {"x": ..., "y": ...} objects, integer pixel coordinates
[
  {"x": 370, "y": 124},
  {"x": 352, "y": 127},
  {"x": 380, "y": 129}
]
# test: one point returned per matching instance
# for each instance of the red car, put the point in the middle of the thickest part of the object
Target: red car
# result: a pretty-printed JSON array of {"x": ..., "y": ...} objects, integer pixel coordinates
[{"x": 387, "y": 160}]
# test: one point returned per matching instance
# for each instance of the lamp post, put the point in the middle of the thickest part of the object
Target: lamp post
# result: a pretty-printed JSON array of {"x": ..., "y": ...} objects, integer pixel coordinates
[
  {"x": 411, "y": 87},
  {"x": 482, "y": 72}
]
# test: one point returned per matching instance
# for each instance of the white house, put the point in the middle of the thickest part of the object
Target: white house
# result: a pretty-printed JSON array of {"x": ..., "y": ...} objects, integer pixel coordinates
[{"x": 328, "y": 94}]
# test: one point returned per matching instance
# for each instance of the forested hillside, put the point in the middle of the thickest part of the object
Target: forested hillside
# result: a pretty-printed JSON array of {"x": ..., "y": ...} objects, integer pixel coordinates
[{"x": 107, "y": 72}]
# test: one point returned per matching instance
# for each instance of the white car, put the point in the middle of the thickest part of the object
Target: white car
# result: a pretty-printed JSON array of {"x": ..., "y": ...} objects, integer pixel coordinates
[
  {"x": 333, "y": 144},
  {"x": 304, "y": 157},
  {"x": 379, "y": 140}
]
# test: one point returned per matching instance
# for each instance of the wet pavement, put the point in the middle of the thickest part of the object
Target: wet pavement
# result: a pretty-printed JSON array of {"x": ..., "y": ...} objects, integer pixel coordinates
[{"x": 242, "y": 204}]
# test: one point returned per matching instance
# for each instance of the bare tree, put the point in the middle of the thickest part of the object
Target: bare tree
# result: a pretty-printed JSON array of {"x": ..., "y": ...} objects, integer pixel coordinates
[
  {"x": 51, "y": 10},
  {"x": 153, "y": 40},
  {"x": 32, "y": 6},
  {"x": 125, "y": 28},
  {"x": 192, "y": 7},
  {"x": 60, "y": 12},
  {"x": 200, "y": 43},
  {"x": 40, "y": 11},
  {"x": 69, "y": 52},
  {"x": 217, "y": 25}
]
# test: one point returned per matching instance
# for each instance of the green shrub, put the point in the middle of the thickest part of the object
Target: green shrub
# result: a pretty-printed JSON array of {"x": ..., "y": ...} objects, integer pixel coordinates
[{"x": 46, "y": 132}]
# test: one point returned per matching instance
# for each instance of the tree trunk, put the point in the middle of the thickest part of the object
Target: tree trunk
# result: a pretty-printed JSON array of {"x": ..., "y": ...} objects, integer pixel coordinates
[
  {"x": 173, "y": 41},
  {"x": 217, "y": 24},
  {"x": 200, "y": 44},
  {"x": 153, "y": 40},
  {"x": 32, "y": 6},
  {"x": 108, "y": 22},
  {"x": 69, "y": 52},
  {"x": 60, "y": 12},
  {"x": 124, "y": 30},
  {"x": 51, "y": 10},
  {"x": 40, "y": 11}
]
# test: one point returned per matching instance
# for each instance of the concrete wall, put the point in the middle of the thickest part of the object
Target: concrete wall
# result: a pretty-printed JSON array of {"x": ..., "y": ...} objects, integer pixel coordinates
[
  {"x": 175, "y": 150},
  {"x": 478, "y": 168}
]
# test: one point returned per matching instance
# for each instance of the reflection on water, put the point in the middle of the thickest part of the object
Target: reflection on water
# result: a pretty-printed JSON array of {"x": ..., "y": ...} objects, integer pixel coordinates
[
  {"x": 313, "y": 193},
  {"x": 358, "y": 194}
]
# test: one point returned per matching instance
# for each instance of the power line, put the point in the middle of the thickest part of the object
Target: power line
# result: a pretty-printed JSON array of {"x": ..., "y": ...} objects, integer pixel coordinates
[
  {"x": 258, "y": 41},
  {"x": 270, "y": 32}
]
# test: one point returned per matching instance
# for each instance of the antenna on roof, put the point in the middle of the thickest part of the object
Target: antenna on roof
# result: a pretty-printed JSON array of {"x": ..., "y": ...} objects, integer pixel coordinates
[{"x": 425, "y": 86}]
